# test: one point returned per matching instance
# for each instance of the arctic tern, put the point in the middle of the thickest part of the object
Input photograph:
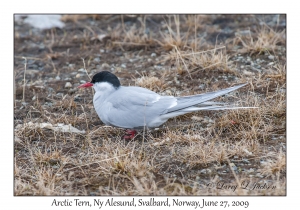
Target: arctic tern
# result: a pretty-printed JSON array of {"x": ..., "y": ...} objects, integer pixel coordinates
[{"x": 136, "y": 107}]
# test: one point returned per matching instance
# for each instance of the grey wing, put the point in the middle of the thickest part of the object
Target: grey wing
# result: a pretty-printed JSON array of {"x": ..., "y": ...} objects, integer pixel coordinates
[
  {"x": 189, "y": 101},
  {"x": 135, "y": 107}
]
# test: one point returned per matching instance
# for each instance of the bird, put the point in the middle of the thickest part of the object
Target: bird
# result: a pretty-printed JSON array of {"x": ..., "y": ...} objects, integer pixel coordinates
[{"x": 134, "y": 108}]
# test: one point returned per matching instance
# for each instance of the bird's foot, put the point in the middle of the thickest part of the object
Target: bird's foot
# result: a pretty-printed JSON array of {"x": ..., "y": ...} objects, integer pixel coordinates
[{"x": 129, "y": 134}]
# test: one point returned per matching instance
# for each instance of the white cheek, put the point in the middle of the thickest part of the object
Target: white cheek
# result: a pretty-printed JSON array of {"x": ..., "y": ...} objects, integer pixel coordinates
[{"x": 103, "y": 86}]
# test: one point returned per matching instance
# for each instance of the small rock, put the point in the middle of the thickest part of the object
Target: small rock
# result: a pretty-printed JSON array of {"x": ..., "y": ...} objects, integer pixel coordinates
[
  {"x": 81, "y": 70},
  {"x": 243, "y": 33},
  {"x": 78, "y": 75},
  {"x": 55, "y": 167},
  {"x": 48, "y": 104},
  {"x": 68, "y": 85},
  {"x": 255, "y": 69},
  {"x": 203, "y": 171},
  {"x": 119, "y": 53},
  {"x": 82, "y": 81},
  {"x": 78, "y": 97},
  {"x": 97, "y": 60},
  {"x": 105, "y": 65},
  {"x": 33, "y": 98},
  {"x": 196, "y": 118},
  {"x": 57, "y": 77},
  {"x": 202, "y": 86},
  {"x": 271, "y": 57},
  {"x": 93, "y": 193},
  {"x": 259, "y": 175},
  {"x": 24, "y": 104},
  {"x": 73, "y": 90},
  {"x": 50, "y": 89},
  {"x": 123, "y": 65},
  {"x": 250, "y": 170},
  {"x": 248, "y": 73},
  {"x": 168, "y": 92},
  {"x": 102, "y": 51},
  {"x": 232, "y": 165},
  {"x": 246, "y": 160},
  {"x": 153, "y": 54},
  {"x": 71, "y": 66}
]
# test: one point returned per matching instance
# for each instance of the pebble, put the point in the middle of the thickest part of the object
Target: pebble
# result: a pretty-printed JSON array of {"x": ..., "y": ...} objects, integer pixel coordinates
[
  {"x": 255, "y": 69},
  {"x": 250, "y": 170},
  {"x": 48, "y": 104},
  {"x": 33, "y": 98},
  {"x": 82, "y": 81},
  {"x": 232, "y": 165},
  {"x": 97, "y": 60},
  {"x": 259, "y": 175},
  {"x": 243, "y": 33},
  {"x": 153, "y": 54},
  {"x": 50, "y": 89},
  {"x": 248, "y": 73},
  {"x": 246, "y": 160},
  {"x": 73, "y": 90},
  {"x": 271, "y": 57},
  {"x": 68, "y": 85},
  {"x": 203, "y": 171},
  {"x": 57, "y": 77},
  {"x": 24, "y": 103},
  {"x": 79, "y": 75},
  {"x": 81, "y": 70},
  {"x": 119, "y": 53},
  {"x": 123, "y": 65},
  {"x": 78, "y": 97},
  {"x": 105, "y": 65}
]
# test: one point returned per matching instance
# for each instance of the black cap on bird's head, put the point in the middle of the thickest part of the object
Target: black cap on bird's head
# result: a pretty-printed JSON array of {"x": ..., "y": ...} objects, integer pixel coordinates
[{"x": 103, "y": 76}]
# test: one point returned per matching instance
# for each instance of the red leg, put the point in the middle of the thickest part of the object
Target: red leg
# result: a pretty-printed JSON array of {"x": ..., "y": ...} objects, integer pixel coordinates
[{"x": 129, "y": 134}]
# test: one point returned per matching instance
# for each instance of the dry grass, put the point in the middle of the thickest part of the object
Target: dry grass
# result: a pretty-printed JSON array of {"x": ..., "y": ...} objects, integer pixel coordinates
[
  {"x": 190, "y": 155},
  {"x": 266, "y": 40}
]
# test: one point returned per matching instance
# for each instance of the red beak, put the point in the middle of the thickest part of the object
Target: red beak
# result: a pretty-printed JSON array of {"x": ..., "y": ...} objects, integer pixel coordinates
[{"x": 85, "y": 85}]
